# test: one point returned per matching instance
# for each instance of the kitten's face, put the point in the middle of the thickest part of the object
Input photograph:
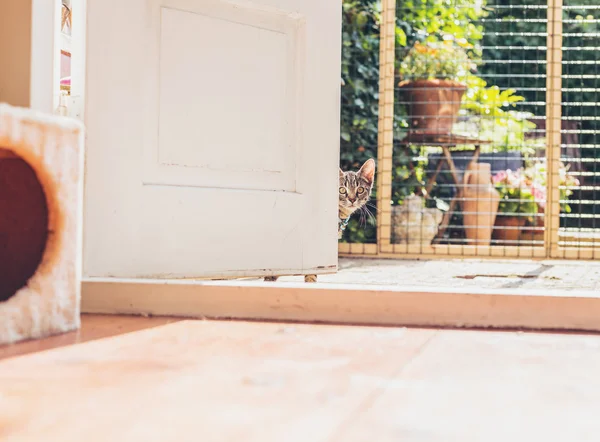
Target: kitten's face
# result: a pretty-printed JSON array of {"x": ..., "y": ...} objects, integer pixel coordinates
[{"x": 355, "y": 188}]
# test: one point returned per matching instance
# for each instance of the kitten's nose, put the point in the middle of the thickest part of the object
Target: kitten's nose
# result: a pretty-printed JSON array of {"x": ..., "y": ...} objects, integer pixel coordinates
[{"x": 351, "y": 199}]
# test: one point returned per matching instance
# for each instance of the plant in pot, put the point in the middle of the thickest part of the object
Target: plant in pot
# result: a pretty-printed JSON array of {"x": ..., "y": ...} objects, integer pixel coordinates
[
  {"x": 517, "y": 206},
  {"x": 535, "y": 177},
  {"x": 434, "y": 80}
]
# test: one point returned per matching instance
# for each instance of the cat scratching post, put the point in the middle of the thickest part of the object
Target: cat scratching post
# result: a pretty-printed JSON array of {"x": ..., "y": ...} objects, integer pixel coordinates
[{"x": 41, "y": 169}]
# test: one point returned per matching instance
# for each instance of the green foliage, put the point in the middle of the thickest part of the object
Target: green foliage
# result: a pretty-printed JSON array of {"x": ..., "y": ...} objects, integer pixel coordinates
[
  {"x": 431, "y": 19},
  {"x": 526, "y": 27},
  {"x": 360, "y": 82},
  {"x": 359, "y": 96},
  {"x": 517, "y": 201},
  {"x": 436, "y": 60},
  {"x": 497, "y": 108},
  {"x": 491, "y": 118},
  {"x": 516, "y": 193},
  {"x": 416, "y": 20},
  {"x": 536, "y": 177},
  {"x": 488, "y": 101}
]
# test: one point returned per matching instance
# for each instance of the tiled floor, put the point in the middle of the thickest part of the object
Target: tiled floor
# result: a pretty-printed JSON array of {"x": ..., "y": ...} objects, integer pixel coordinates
[
  {"x": 555, "y": 275},
  {"x": 239, "y": 381}
]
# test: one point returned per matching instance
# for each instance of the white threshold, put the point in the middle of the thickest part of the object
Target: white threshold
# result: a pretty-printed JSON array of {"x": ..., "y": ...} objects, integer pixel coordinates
[{"x": 541, "y": 309}]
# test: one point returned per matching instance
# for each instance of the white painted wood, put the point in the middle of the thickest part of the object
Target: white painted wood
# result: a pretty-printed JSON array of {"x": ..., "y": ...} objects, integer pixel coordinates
[
  {"x": 347, "y": 303},
  {"x": 257, "y": 61},
  {"x": 212, "y": 137},
  {"x": 78, "y": 53},
  {"x": 45, "y": 55}
]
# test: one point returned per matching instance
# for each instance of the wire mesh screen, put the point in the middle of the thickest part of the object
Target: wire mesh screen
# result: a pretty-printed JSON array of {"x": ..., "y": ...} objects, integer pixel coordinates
[
  {"x": 359, "y": 114},
  {"x": 577, "y": 174},
  {"x": 477, "y": 153},
  {"x": 473, "y": 92}
]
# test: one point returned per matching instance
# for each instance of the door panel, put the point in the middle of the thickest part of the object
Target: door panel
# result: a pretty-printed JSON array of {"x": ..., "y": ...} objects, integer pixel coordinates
[
  {"x": 209, "y": 129},
  {"x": 213, "y": 134}
]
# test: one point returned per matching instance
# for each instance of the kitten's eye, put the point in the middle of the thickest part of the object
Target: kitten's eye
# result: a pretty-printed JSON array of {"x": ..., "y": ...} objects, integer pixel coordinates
[
  {"x": 360, "y": 190},
  {"x": 343, "y": 190}
]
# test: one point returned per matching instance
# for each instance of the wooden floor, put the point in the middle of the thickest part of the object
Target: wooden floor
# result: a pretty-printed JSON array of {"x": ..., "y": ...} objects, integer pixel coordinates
[{"x": 195, "y": 381}]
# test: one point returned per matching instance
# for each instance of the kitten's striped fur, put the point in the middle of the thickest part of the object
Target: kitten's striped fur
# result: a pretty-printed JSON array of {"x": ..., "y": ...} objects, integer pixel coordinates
[{"x": 355, "y": 189}]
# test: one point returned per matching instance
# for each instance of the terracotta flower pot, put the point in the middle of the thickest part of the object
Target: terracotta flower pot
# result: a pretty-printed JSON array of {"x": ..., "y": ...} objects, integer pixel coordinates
[
  {"x": 433, "y": 104},
  {"x": 480, "y": 204},
  {"x": 536, "y": 231},
  {"x": 507, "y": 229}
]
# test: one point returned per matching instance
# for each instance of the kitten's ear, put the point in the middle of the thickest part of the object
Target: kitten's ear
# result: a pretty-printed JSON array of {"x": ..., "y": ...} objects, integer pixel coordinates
[
  {"x": 367, "y": 171},
  {"x": 341, "y": 173}
]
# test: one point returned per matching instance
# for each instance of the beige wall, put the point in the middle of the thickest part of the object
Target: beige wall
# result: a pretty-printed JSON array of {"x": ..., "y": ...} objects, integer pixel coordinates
[{"x": 15, "y": 51}]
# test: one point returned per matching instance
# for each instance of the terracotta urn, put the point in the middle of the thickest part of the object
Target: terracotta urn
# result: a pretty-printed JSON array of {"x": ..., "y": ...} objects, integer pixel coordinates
[{"x": 480, "y": 202}]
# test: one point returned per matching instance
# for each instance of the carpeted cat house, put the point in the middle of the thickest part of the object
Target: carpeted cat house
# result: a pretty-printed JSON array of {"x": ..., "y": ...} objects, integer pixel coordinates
[{"x": 41, "y": 189}]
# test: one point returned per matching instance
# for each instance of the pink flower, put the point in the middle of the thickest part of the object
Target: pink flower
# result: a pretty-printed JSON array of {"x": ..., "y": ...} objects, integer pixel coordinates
[
  {"x": 539, "y": 194},
  {"x": 514, "y": 179},
  {"x": 499, "y": 177}
]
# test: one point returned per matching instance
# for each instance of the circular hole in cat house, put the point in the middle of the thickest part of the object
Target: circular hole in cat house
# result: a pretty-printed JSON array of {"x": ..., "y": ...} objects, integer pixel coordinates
[{"x": 23, "y": 223}]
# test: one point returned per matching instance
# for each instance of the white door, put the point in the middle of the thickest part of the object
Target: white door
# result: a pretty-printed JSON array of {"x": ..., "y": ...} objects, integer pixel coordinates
[{"x": 212, "y": 137}]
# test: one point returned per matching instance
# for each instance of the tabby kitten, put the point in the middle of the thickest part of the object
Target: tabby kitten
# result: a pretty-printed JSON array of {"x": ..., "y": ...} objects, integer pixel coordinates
[{"x": 354, "y": 192}]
